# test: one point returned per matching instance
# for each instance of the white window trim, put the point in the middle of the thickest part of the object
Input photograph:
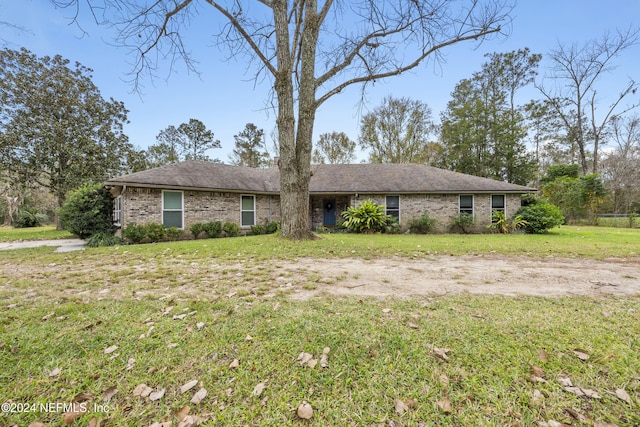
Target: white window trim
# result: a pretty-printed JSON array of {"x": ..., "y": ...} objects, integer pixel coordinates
[
  {"x": 503, "y": 209},
  {"x": 253, "y": 196},
  {"x": 174, "y": 210},
  {"x": 473, "y": 203},
  {"x": 385, "y": 205},
  {"x": 117, "y": 211}
]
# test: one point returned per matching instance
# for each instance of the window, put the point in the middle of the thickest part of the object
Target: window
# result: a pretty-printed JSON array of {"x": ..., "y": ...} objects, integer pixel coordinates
[
  {"x": 497, "y": 203},
  {"x": 248, "y": 211},
  {"x": 466, "y": 204},
  {"x": 393, "y": 207},
  {"x": 117, "y": 211},
  {"x": 172, "y": 209}
]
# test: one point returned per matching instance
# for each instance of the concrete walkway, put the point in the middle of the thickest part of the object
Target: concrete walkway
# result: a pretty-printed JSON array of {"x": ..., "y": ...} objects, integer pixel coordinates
[{"x": 63, "y": 245}]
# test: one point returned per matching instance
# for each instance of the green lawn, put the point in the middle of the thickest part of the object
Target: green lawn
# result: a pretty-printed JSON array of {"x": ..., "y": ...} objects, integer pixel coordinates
[
  {"x": 47, "y": 232},
  {"x": 173, "y": 320}
]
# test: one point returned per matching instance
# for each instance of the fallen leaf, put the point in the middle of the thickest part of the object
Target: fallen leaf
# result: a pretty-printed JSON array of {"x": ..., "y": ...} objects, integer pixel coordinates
[
  {"x": 575, "y": 414},
  {"x": 156, "y": 395},
  {"x": 537, "y": 397},
  {"x": 304, "y": 358},
  {"x": 110, "y": 349},
  {"x": 258, "y": 389},
  {"x": 82, "y": 397},
  {"x": 305, "y": 411},
  {"x": 200, "y": 325},
  {"x": 445, "y": 405},
  {"x": 95, "y": 422},
  {"x": 543, "y": 356},
  {"x": 312, "y": 363},
  {"x": 37, "y": 424},
  {"x": 130, "y": 363},
  {"x": 412, "y": 325},
  {"x": 248, "y": 338},
  {"x": 411, "y": 403},
  {"x": 189, "y": 421},
  {"x": 183, "y": 412},
  {"x": 167, "y": 310},
  {"x": 565, "y": 381},
  {"x": 386, "y": 310},
  {"x": 234, "y": 364},
  {"x": 179, "y": 316},
  {"x": 188, "y": 386},
  {"x": 583, "y": 392},
  {"x": 401, "y": 407},
  {"x": 581, "y": 354},
  {"x": 55, "y": 372},
  {"x": 554, "y": 423},
  {"x": 441, "y": 353},
  {"x": 48, "y": 316},
  {"x": 537, "y": 372},
  {"x": 623, "y": 395},
  {"x": 324, "y": 360},
  {"x": 142, "y": 390},
  {"x": 200, "y": 394},
  {"x": 70, "y": 417},
  {"x": 109, "y": 393},
  {"x": 172, "y": 345},
  {"x": 444, "y": 380}
]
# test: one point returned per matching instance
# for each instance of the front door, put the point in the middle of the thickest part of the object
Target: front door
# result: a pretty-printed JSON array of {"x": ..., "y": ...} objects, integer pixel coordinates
[{"x": 329, "y": 208}]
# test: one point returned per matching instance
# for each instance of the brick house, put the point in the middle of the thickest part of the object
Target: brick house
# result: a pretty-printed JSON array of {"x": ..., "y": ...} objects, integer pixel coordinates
[{"x": 185, "y": 193}]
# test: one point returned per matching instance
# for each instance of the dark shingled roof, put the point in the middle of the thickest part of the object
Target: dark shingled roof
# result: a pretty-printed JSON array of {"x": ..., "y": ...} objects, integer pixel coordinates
[{"x": 359, "y": 178}]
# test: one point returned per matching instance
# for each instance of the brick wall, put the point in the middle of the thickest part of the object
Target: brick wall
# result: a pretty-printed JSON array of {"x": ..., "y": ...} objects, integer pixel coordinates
[{"x": 144, "y": 205}]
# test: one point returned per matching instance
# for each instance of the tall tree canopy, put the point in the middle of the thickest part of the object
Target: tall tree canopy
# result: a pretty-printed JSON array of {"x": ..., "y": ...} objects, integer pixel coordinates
[
  {"x": 571, "y": 89},
  {"x": 250, "y": 149},
  {"x": 308, "y": 54},
  {"x": 483, "y": 130},
  {"x": 56, "y": 129},
  {"x": 189, "y": 141},
  {"x": 397, "y": 131},
  {"x": 334, "y": 148}
]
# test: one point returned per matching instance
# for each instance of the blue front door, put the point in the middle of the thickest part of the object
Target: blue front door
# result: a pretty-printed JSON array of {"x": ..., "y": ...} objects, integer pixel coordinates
[{"x": 329, "y": 208}]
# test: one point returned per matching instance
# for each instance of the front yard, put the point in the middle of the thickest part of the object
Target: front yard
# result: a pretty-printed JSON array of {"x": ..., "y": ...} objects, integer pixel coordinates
[{"x": 236, "y": 315}]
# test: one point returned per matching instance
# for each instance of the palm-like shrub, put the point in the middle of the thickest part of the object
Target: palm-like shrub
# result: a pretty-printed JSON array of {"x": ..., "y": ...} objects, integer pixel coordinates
[{"x": 366, "y": 218}]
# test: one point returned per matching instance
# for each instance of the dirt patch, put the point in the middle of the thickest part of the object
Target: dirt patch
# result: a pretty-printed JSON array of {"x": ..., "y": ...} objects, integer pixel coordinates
[{"x": 473, "y": 274}]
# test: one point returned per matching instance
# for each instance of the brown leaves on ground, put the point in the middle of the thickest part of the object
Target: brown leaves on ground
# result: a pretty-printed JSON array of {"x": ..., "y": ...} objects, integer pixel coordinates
[
  {"x": 305, "y": 411},
  {"x": 581, "y": 354},
  {"x": 445, "y": 405},
  {"x": 441, "y": 353}
]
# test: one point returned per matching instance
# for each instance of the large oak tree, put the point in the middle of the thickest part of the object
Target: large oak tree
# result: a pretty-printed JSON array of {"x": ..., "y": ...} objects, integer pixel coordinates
[
  {"x": 56, "y": 129},
  {"x": 309, "y": 50}
]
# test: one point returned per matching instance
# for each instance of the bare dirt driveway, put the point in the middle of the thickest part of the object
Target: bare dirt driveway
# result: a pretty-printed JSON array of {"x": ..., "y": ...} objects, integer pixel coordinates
[{"x": 477, "y": 274}]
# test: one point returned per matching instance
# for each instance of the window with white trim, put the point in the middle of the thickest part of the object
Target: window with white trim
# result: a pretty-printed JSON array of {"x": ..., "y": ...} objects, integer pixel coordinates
[
  {"x": 466, "y": 204},
  {"x": 393, "y": 207},
  {"x": 497, "y": 203},
  {"x": 247, "y": 210},
  {"x": 117, "y": 211},
  {"x": 172, "y": 209}
]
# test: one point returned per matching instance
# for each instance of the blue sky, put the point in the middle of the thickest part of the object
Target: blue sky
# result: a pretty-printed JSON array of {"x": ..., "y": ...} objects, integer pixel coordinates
[{"x": 225, "y": 97}]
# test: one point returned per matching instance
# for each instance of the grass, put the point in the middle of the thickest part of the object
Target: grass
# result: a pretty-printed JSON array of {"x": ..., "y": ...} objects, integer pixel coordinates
[
  {"x": 47, "y": 232},
  {"x": 61, "y": 310}
]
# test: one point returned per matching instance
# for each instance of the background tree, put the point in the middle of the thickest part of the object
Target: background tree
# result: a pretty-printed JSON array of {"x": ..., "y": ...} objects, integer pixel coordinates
[
  {"x": 307, "y": 54},
  {"x": 620, "y": 168},
  {"x": 576, "y": 72},
  {"x": 397, "y": 131},
  {"x": 56, "y": 130},
  {"x": 189, "y": 141},
  {"x": 250, "y": 148},
  {"x": 334, "y": 148},
  {"x": 196, "y": 140},
  {"x": 483, "y": 131}
]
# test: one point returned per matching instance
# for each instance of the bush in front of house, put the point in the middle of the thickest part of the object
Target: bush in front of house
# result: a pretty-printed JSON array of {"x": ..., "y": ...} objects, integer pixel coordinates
[
  {"x": 212, "y": 228},
  {"x": 422, "y": 225},
  {"x": 154, "y": 231},
  {"x": 196, "y": 229},
  {"x": 268, "y": 228},
  {"x": 463, "y": 223},
  {"x": 173, "y": 233},
  {"x": 29, "y": 217},
  {"x": 231, "y": 229},
  {"x": 366, "y": 218},
  {"x": 540, "y": 217},
  {"x": 87, "y": 211},
  {"x": 134, "y": 233},
  {"x": 103, "y": 239}
]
